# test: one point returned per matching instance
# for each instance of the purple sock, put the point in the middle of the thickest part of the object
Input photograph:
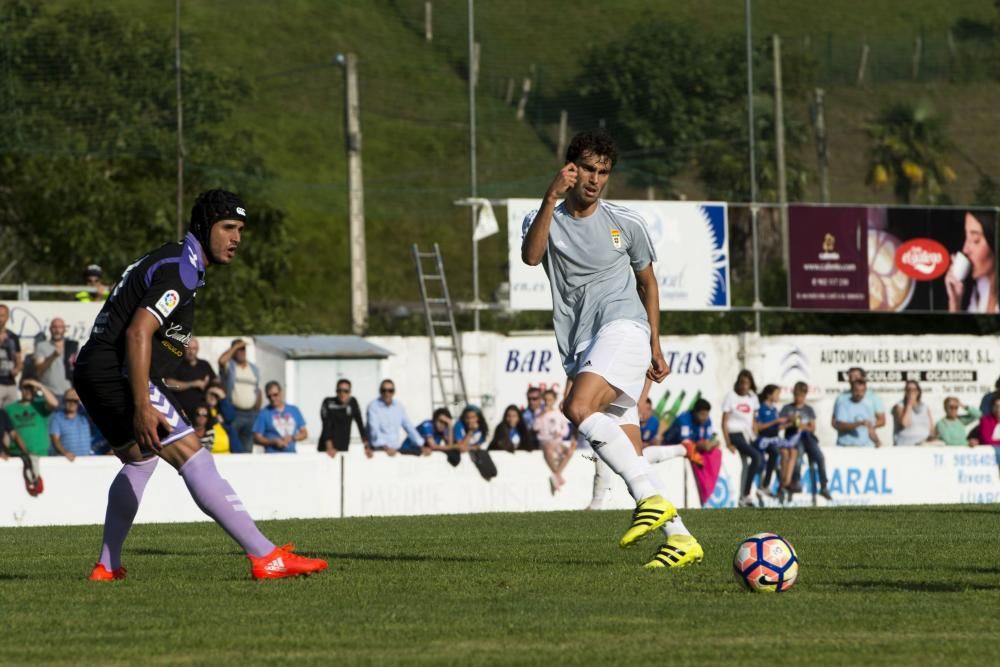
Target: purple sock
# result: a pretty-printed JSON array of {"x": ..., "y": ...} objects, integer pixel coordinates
[
  {"x": 217, "y": 499},
  {"x": 123, "y": 502}
]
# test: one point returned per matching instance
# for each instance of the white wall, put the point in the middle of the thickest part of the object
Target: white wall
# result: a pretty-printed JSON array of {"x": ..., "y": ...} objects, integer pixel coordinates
[{"x": 311, "y": 484}]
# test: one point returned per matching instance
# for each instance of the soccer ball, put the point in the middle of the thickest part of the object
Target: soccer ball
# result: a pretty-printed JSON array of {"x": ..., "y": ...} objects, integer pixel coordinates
[{"x": 766, "y": 563}]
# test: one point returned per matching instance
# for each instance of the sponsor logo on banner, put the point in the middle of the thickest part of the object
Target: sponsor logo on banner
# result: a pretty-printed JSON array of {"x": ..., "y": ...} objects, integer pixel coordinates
[
  {"x": 690, "y": 239},
  {"x": 923, "y": 259}
]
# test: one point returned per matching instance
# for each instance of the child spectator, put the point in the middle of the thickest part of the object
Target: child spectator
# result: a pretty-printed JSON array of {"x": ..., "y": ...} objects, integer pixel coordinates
[
  {"x": 437, "y": 437},
  {"x": 470, "y": 432},
  {"x": 512, "y": 433},
  {"x": 693, "y": 430},
  {"x": 739, "y": 410},
  {"x": 549, "y": 427},
  {"x": 800, "y": 432},
  {"x": 989, "y": 426},
  {"x": 770, "y": 442},
  {"x": 952, "y": 429}
]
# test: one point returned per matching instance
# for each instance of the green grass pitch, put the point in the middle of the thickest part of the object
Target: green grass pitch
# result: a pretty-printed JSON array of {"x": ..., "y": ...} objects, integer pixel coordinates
[{"x": 885, "y": 586}]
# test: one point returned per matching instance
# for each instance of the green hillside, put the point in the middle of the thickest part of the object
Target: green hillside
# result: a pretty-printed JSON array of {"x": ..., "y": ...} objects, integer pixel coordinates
[{"x": 415, "y": 115}]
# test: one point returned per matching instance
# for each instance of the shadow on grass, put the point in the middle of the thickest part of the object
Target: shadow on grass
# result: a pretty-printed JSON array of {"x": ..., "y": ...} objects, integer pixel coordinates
[
  {"x": 395, "y": 557},
  {"x": 919, "y": 586},
  {"x": 12, "y": 576}
]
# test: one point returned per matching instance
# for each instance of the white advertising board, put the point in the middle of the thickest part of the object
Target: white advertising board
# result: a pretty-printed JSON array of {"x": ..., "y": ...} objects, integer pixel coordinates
[
  {"x": 691, "y": 240},
  {"x": 962, "y": 366}
]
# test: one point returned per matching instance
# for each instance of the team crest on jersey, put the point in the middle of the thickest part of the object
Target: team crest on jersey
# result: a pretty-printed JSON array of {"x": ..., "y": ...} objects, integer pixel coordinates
[
  {"x": 616, "y": 239},
  {"x": 166, "y": 303}
]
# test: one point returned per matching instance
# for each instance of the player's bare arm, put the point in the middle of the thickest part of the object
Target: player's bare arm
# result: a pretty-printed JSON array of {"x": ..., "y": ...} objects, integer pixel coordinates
[
  {"x": 649, "y": 294},
  {"x": 138, "y": 353},
  {"x": 537, "y": 238}
]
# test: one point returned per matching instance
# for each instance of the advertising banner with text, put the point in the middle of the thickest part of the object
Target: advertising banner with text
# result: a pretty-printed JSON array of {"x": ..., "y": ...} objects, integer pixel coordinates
[
  {"x": 892, "y": 259},
  {"x": 691, "y": 240}
]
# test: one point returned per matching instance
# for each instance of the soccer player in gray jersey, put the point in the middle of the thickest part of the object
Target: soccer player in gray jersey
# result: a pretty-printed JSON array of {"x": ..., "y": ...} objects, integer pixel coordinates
[{"x": 606, "y": 315}]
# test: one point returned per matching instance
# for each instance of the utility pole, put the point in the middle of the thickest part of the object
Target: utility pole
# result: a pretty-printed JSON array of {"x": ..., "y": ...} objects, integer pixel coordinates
[
  {"x": 180, "y": 120},
  {"x": 473, "y": 185},
  {"x": 779, "y": 144},
  {"x": 751, "y": 131},
  {"x": 355, "y": 197},
  {"x": 821, "y": 154}
]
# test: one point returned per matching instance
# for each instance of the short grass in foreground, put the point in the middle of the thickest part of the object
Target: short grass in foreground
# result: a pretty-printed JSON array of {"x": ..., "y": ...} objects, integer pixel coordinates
[{"x": 915, "y": 585}]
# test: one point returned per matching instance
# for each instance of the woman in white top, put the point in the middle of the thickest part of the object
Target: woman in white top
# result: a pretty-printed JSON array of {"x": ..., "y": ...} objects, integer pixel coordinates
[
  {"x": 912, "y": 422},
  {"x": 739, "y": 427}
]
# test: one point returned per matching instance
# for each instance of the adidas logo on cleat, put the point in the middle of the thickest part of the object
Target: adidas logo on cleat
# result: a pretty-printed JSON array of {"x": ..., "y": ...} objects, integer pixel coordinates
[{"x": 276, "y": 565}]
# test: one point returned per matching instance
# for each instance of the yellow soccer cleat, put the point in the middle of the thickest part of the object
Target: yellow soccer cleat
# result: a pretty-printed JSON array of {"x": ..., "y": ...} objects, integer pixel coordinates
[
  {"x": 679, "y": 551},
  {"x": 650, "y": 513}
]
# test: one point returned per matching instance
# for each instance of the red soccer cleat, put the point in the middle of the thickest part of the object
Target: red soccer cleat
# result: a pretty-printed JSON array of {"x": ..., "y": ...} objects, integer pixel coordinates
[
  {"x": 101, "y": 573},
  {"x": 692, "y": 453},
  {"x": 282, "y": 562}
]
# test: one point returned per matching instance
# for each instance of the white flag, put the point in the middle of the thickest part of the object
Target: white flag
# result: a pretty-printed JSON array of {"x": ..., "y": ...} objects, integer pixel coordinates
[{"x": 486, "y": 221}]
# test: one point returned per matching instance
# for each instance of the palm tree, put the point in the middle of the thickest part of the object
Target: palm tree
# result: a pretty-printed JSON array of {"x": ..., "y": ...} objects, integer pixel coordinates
[{"x": 908, "y": 152}]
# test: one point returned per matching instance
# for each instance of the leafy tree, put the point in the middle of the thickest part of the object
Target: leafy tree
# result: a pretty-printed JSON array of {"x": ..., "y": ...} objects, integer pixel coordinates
[
  {"x": 908, "y": 152},
  {"x": 88, "y": 166}
]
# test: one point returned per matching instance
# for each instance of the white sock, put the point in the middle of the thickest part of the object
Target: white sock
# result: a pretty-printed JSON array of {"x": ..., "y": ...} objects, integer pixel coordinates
[
  {"x": 610, "y": 443},
  {"x": 660, "y": 453},
  {"x": 602, "y": 485},
  {"x": 675, "y": 527}
]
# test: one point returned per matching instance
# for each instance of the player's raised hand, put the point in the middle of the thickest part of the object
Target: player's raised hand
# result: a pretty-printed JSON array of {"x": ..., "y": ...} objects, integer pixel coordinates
[
  {"x": 146, "y": 423},
  {"x": 564, "y": 180}
]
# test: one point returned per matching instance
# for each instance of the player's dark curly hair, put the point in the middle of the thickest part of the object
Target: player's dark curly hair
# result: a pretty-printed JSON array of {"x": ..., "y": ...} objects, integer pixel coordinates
[{"x": 596, "y": 142}]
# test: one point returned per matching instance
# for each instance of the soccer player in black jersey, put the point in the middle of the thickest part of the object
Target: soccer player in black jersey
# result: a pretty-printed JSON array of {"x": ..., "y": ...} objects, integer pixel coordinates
[{"x": 137, "y": 340}]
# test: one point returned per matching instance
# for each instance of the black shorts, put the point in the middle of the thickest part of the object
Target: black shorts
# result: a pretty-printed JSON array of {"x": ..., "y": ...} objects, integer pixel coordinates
[{"x": 107, "y": 396}]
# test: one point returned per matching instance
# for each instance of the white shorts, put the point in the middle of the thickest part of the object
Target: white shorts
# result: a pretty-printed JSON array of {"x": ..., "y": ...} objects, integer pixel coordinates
[{"x": 620, "y": 354}]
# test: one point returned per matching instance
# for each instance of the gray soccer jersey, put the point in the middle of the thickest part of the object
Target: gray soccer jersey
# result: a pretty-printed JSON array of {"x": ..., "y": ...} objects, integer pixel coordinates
[{"x": 591, "y": 264}]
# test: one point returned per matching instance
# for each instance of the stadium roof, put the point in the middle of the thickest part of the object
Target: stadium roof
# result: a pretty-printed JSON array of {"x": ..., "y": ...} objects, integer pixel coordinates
[{"x": 324, "y": 347}]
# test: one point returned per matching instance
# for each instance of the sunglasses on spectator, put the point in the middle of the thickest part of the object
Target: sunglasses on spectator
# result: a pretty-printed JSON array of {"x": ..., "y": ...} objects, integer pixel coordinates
[
  {"x": 71, "y": 400},
  {"x": 387, "y": 390},
  {"x": 343, "y": 390},
  {"x": 534, "y": 398},
  {"x": 201, "y": 414},
  {"x": 274, "y": 394}
]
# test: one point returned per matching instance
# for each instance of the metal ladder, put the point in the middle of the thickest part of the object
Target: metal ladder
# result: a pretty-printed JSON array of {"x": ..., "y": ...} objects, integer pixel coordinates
[{"x": 447, "y": 378}]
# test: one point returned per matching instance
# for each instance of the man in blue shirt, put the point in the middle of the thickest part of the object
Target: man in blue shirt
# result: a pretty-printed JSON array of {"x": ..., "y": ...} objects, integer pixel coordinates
[
  {"x": 386, "y": 417},
  {"x": 436, "y": 432},
  {"x": 69, "y": 430},
  {"x": 278, "y": 426},
  {"x": 854, "y": 419},
  {"x": 871, "y": 397},
  {"x": 649, "y": 424}
]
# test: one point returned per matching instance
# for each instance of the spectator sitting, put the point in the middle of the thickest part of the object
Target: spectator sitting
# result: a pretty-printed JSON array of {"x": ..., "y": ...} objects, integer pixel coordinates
[
  {"x": 436, "y": 435},
  {"x": 953, "y": 428},
  {"x": 649, "y": 424},
  {"x": 211, "y": 434},
  {"x": 55, "y": 358},
  {"x": 69, "y": 430},
  {"x": 29, "y": 417},
  {"x": 800, "y": 431},
  {"x": 512, "y": 433},
  {"x": 985, "y": 405},
  {"x": 533, "y": 408},
  {"x": 10, "y": 360},
  {"x": 691, "y": 435},
  {"x": 549, "y": 428},
  {"x": 912, "y": 421},
  {"x": 278, "y": 426},
  {"x": 96, "y": 290},
  {"x": 386, "y": 416},
  {"x": 336, "y": 414},
  {"x": 242, "y": 382},
  {"x": 191, "y": 379},
  {"x": 770, "y": 442},
  {"x": 11, "y": 443},
  {"x": 854, "y": 419},
  {"x": 470, "y": 434},
  {"x": 989, "y": 426},
  {"x": 871, "y": 397}
]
